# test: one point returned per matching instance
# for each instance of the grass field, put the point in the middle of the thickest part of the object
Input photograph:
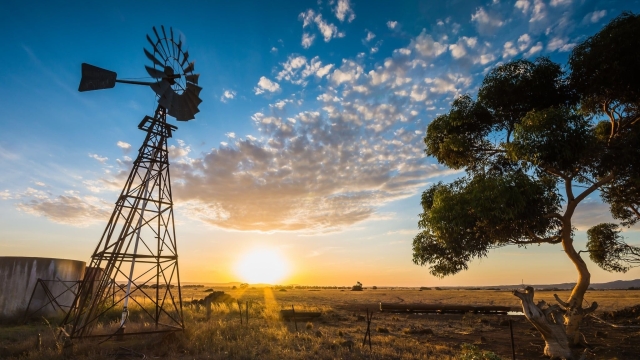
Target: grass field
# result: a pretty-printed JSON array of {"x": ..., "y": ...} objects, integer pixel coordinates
[{"x": 338, "y": 333}]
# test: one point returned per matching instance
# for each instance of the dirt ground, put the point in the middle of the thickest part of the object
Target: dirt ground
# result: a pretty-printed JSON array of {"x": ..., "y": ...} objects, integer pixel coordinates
[{"x": 339, "y": 331}]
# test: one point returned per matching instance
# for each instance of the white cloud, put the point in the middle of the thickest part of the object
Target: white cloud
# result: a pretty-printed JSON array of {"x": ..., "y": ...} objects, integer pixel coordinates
[
  {"x": 126, "y": 147},
  {"x": 324, "y": 70},
  {"x": 509, "y": 50},
  {"x": 459, "y": 49},
  {"x": 523, "y": 5},
  {"x": 100, "y": 159},
  {"x": 392, "y": 24},
  {"x": 556, "y": 3},
  {"x": 274, "y": 49},
  {"x": 265, "y": 84},
  {"x": 343, "y": 11},
  {"x": 486, "y": 23},
  {"x": 227, "y": 95},
  {"x": 534, "y": 49},
  {"x": 427, "y": 46},
  {"x": 370, "y": 36},
  {"x": 230, "y": 135},
  {"x": 559, "y": 44},
  {"x": 70, "y": 209},
  {"x": 595, "y": 16},
  {"x": 297, "y": 69},
  {"x": 524, "y": 41},
  {"x": 307, "y": 40},
  {"x": 327, "y": 30},
  {"x": 348, "y": 72},
  {"x": 539, "y": 11}
]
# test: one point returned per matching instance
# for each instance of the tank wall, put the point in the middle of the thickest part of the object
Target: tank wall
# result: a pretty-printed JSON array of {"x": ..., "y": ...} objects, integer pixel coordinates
[{"x": 19, "y": 276}]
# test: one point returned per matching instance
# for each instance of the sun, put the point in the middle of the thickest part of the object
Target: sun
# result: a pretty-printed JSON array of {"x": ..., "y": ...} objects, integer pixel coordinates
[{"x": 262, "y": 266}]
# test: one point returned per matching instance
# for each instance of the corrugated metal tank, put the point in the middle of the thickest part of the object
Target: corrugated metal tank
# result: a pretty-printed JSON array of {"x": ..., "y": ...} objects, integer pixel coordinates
[{"x": 18, "y": 279}]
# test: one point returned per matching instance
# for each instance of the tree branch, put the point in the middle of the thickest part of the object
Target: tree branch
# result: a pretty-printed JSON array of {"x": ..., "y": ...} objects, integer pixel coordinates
[
  {"x": 555, "y": 172},
  {"x": 554, "y": 215},
  {"x": 594, "y": 187},
  {"x": 538, "y": 240}
]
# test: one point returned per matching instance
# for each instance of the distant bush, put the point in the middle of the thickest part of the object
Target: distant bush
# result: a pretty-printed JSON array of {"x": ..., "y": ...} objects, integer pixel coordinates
[
  {"x": 437, "y": 288},
  {"x": 208, "y": 290},
  {"x": 374, "y": 287},
  {"x": 357, "y": 286},
  {"x": 425, "y": 288}
]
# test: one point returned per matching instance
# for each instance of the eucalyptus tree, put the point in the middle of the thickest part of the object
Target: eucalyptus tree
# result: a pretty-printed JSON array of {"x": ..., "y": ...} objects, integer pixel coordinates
[{"x": 534, "y": 144}]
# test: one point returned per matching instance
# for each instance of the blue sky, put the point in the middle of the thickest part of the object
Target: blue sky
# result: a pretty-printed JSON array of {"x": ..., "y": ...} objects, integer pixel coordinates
[{"x": 308, "y": 140}]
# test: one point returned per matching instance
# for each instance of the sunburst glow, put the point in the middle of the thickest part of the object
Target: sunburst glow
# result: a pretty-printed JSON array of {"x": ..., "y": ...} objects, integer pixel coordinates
[{"x": 262, "y": 266}]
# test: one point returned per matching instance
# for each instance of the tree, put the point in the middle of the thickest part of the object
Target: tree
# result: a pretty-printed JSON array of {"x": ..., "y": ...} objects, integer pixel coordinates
[{"x": 533, "y": 148}]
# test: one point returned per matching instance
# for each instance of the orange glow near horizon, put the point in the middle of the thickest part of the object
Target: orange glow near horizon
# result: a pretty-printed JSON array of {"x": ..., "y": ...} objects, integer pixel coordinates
[{"x": 262, "y": 265}]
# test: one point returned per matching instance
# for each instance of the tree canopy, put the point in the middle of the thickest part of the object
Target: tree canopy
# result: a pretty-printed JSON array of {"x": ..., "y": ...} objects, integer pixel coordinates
[{"x": 535, "y": 143}]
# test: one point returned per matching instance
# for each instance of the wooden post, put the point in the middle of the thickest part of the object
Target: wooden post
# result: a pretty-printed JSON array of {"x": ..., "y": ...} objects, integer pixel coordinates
[
  {"x": 513, "y": 345},
  {"x": 294, "y": 317},
  {"x": 246, "y": 311},
  {"x": 240, "y": 311},
  {"x": 368, "y": 331}
]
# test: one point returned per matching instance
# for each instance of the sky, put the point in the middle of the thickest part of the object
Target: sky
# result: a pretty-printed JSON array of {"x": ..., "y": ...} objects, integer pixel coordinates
[{"x": 308, "y": 143}]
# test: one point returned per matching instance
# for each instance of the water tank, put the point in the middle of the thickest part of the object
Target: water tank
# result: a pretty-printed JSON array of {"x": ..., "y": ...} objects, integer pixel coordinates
[{"x": 18, "y": 279}]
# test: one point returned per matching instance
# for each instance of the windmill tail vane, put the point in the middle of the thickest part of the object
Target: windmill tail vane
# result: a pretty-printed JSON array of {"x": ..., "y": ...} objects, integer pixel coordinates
[{"x": 137, "y": 255}]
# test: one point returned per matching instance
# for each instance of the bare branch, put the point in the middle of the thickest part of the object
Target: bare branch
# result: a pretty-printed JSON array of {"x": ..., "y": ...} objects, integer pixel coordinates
[
  {"x": 560, "y": 301},
  {"x": 594, "y": 187}
]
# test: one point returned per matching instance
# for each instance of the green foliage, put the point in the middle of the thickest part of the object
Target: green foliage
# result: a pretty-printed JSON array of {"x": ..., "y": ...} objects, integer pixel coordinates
[
  {"x": 604, "y": 68},
  {"x": 531, "y": 133},
  {"x": 471, "y": 352},
  {"x": 511, "y": 90},
  {"x": 608, "y": 250},
  {"x": 555, "y": 138},
  {"x": 466, "y": 218}
]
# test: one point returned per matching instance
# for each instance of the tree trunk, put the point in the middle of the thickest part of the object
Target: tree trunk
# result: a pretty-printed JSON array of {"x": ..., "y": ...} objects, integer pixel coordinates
[
  {"x": 574, "y": 313},
  {"x": 544, "y": 318}
]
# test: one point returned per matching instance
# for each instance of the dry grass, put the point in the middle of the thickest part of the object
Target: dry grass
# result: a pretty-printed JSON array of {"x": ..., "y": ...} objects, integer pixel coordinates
[{"x": 338, "y": 333}]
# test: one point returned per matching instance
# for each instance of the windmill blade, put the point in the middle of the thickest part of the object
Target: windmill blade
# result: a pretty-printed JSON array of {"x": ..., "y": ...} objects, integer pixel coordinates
[
  {"x": 195, "y": 88},
  {"x": 173, "y": 43},
  {"x": 160, "y": 42},
  {"x": 155, "y": 73},
  {"x": 95, "y": 78},
  {"x": 153, "y": 58},
  {"x": 166, "y": 99},
  {"x": 181, "y": 108},
  {"x": 186, "y": 57},
  {"x": 190, "y": 67},
  {"x": 153, "y": 45},
  {"x": 193, "y": 78},
  {"x": 161, "y": 87},
  {"x": 179, "y": 50},
  {"x": 166, "y": 41}
]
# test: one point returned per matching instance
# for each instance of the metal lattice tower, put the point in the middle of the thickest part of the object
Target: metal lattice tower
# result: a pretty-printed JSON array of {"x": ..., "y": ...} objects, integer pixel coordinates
[
  {"x": 134, "y": 268},
  {"x": 138, "y": 247}
]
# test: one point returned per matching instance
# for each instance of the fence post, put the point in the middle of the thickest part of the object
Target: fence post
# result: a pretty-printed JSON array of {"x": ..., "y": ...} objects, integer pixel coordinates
[
  {"x": 294, "y": 317},
  {"x": 513, "y": 345}
]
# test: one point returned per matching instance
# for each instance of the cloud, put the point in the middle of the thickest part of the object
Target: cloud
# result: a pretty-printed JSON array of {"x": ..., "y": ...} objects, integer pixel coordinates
[
  {"x": 227, "y": 95},
  {"x": 523, "y": 6},
  {"x": 427, "y": 46},
  {"x": 594, "y": 17},
  {"x": 126, "y": 147},
  {"x": 328, "y": 30},
  {"x": 392, "y": 24},
  {"x": 556, "y": 3},
  {"x": 100, "y": 159},
  {"x": 274, "y": 49},
  {"x": 343, "y": 11},
  {"x": 486, "y": 23},
  {"x": 348, "y": 72},
  {"x": 179, "y": 151},
  {"x": 370, "y": 36},
  {"x": 69, "y": 209},
  {"x": 297, "y": 69},
  {"x": 307, "y": 40},
  {"x": 524, "y": 41},
  {"x": 559, "y": 44},
  {"x": 265, "y": 84},
  {"x": 539, "y": 11},
  {"x": 534, "y": 49}
]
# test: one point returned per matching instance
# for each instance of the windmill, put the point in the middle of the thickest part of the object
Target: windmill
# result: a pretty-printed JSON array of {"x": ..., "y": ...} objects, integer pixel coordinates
[{"x": 135, "y": 264}]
